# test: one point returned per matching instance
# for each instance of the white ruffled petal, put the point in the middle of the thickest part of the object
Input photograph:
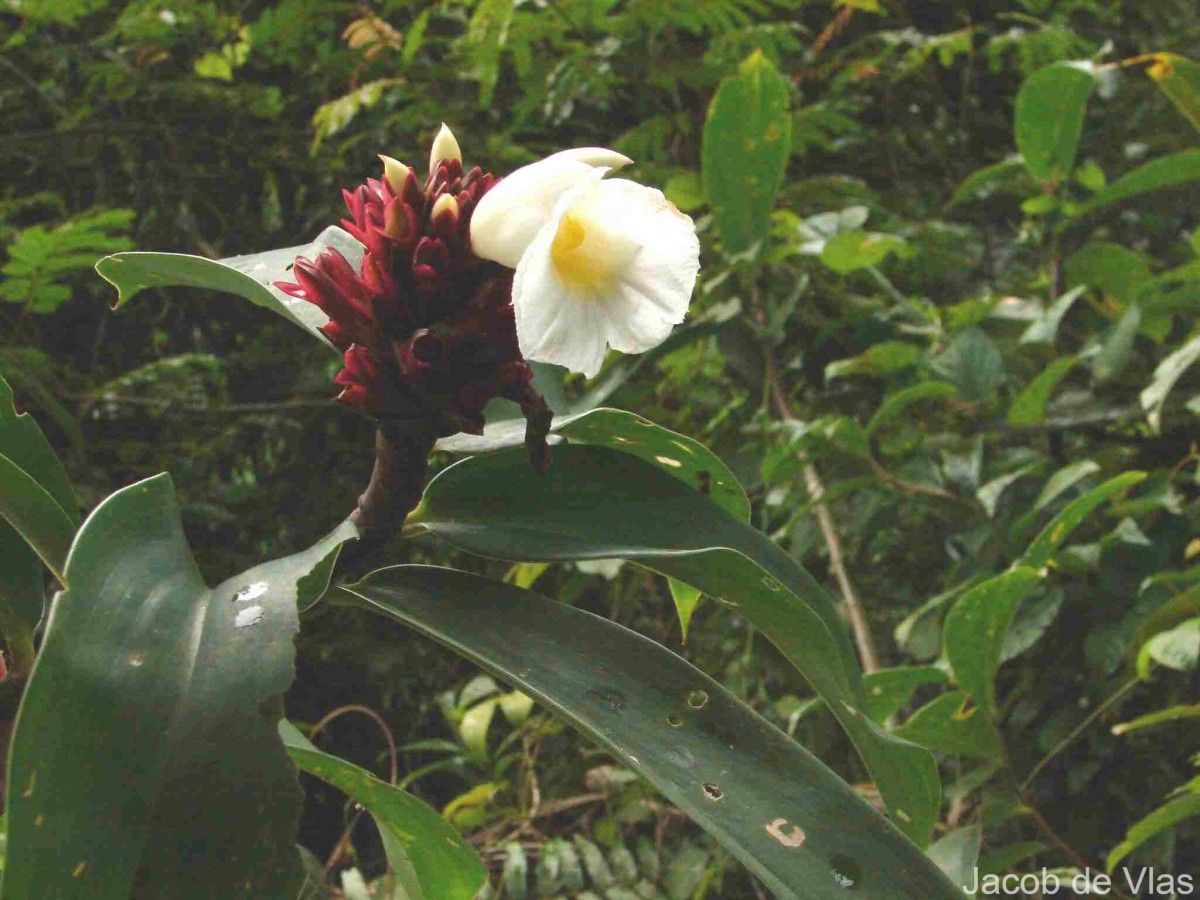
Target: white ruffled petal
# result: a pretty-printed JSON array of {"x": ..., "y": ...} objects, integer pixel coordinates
[
  {"x": 510, "y": 215},
  {"x": 555, "y": 323},
  {"x": 615, "y": 265}
]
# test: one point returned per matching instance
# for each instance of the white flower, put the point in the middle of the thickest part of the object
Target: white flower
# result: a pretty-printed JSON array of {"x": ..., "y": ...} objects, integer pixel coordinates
[{"x": 599, "y": 263}]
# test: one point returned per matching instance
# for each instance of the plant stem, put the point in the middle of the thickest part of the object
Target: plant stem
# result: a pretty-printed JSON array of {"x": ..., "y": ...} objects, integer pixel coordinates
[
  {"x": 1078, "y": 730},
  {"x": 816, "y": 491}
]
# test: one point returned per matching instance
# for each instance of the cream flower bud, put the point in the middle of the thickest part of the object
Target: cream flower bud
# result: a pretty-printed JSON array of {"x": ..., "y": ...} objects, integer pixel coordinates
[
  {"x": 445, "y": 146},
  {"x": 395, "y": 173},
  {"x": 510, "y": 215}
]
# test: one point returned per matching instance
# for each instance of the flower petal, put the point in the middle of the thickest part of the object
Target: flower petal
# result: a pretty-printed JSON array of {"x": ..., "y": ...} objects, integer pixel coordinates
[
  {"x": 632, "y": 308},
  {"x": 510, "y": 215},
  {"x": 555, "y": 323}
]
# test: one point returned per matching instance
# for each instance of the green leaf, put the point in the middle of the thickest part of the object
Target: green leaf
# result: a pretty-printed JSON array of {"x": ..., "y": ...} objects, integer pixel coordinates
[
  {"x": 1049, "y": 119},
  {"x": 434, "y": 861},
  {"x": 1063, "y": 480},
  {"x": 1177, "y": 648},
  {"x": 1180, "y": 808},
  {"x": 1110, "y": 268},
  {"x": 973, "y": 363},
  {"x": 988, "y": 494},
  {"x": 895, "y": 404},
  {"x": 251, "y": 277},
  {"x": 596, "y": 503},
  {"x": 957, "y": 854},
  {"x": 686, "y": 598},
  {"x": 976, "y": 627},
  {"x": 747, "y": 138},
  {"x": 676, "y": 454},
  {"x": 951, "y": 725},
  {"x": 1072, "y": 515},
  {"x": 983, "y": 183},
  {"x": 890, "y": 690},
  {"x": 1029, "y": 407},
  {"x": 1179, "y": 78},
  {"x": 1158, "y": 717},
  {"x": 1165, "y": 376},
  {"x": 774, "y": 806},
  {"x": 1118, "y": 345},
  {"x": 1165, "y": 172},
  {"x": 22, "y": 595},
  {"x": 1044, "y": 329},
  {"x": 488, "y": 32},
  {"x": 35, "y": 515},
  {"x": 884, "y": 358},
  {"x": 148, "y": 728},
  {"x": 854, "y": 250}
]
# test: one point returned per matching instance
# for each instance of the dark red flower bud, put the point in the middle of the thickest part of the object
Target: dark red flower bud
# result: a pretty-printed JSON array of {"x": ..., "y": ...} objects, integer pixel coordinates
[{"x": 426, "y": 328}]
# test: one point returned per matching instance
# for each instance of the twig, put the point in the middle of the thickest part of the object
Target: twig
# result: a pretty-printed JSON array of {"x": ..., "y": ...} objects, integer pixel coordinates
[
  {"x": 370, "y": 713},
  {"x": 816, "y": 491},
  {"x": 896, "y": 481},
  {"x": 1078, "y": 730}
]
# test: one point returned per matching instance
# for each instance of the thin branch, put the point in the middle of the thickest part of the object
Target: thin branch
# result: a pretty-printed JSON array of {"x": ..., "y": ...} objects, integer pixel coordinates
[
  {"x": 816, "y": 492},
  {"x": 1078, "y": 730}
]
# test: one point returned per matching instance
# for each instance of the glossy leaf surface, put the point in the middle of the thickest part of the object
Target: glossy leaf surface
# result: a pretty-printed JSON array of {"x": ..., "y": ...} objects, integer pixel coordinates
[
  {"x": 779, "y": 810},
  {"x": 251, "y": 277},
  {"x": 747, "y": 137},
  {"x": 428, "y": 857},
  {"x": 596, "y": 503},
  {"x": 145, "y": 750}
]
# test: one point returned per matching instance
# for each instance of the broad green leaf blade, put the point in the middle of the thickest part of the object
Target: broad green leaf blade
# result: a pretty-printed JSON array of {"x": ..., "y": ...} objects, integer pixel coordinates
[
  {"x": 1049, "y": 119},
  {"x": 779, "y": 810},
  {"x": 145, "y": 751},
  {"x": 983, "y": 183},
  {"x": 1072, "y": 515},
  {"x": 674, "y": 453},
  {"x": 975, "y": 629},
  {"x": 444, "y": 867},
  {"x": 1118, "y": 345},
  {"x": 1179, "y": 78},
  {"x": 596, "y": 503},
  {"x": 853, "y": 250},
  {"x": 895, "y": 404},
  {"x": 747, "y": 139},
  {"x": 890, "y": 690},
  {"x": 251, "y": 277},
  {"x": 951, "y": 724},
  {"x": 1165, "y": 172},
  {"x": 1029, "y": 407},
  {"x": 35, "y": 516},
  {"x": 22, "y": 441},
  {"x": 1168, "y": 372}
]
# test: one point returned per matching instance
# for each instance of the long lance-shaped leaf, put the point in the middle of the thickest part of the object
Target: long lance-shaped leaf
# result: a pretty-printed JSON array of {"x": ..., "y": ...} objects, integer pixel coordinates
[
  {"x": 428, "y": 857},
  {"x": 676, "y": 454},
  {"x": 145, "y": 755},
  {"x": 251, "y": 277},
  {"x": 29, "y": 510},
  {"x": 22, "y": 596},
  {"x": 596, "y": 503},
  {"x": 793, "y": 823}
]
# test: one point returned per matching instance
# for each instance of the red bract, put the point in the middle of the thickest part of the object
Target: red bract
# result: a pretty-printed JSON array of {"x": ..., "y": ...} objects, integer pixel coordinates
[{"x": 425, "y": 326}]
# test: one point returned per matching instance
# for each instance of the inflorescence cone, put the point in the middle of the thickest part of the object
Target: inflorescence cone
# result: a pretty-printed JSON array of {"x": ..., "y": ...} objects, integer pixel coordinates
[{"x": 425, "y": 326}]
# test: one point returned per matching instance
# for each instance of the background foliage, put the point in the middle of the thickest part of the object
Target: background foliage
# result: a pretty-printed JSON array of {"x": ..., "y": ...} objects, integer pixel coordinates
[{"x": 965, "y": 346}]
